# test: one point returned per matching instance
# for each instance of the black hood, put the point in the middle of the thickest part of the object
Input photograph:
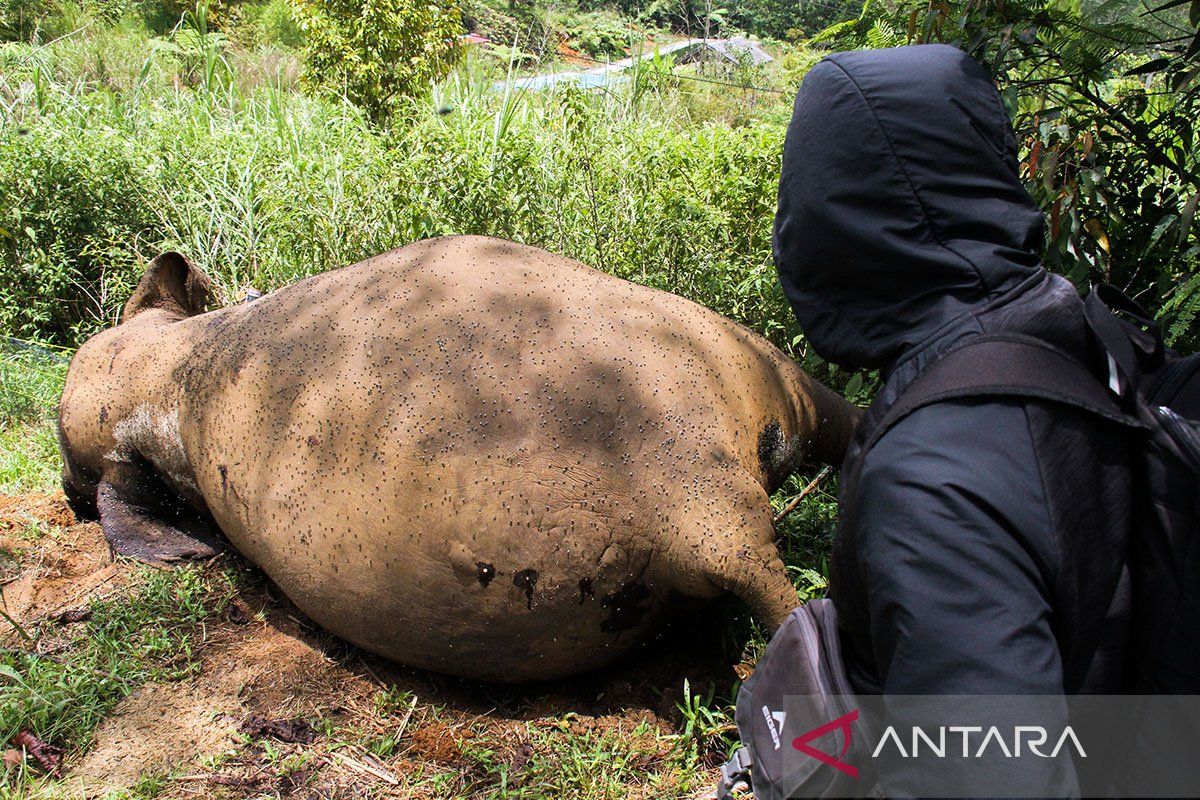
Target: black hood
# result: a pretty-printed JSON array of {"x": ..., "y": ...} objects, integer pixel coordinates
[{"x": 900, "y": 206}]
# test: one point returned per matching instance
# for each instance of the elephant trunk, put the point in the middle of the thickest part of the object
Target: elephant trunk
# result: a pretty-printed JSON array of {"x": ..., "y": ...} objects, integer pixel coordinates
[{"x": 832, "y": 422}]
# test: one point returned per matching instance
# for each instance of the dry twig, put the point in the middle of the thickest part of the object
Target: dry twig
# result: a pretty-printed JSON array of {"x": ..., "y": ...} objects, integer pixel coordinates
[{"x": 794, "y": 503}]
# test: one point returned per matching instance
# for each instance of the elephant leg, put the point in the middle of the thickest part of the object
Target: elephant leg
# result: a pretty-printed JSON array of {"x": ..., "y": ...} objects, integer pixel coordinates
[
  {"x": 723, "y": 540},
  {"x": 757, "y": 576}
]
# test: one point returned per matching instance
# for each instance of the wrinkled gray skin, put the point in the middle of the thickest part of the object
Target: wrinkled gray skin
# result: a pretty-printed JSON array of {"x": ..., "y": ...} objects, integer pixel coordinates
[{"x": 466, "y": 455}]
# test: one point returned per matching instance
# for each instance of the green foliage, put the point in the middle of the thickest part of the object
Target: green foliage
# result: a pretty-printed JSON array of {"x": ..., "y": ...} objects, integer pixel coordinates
[
  {"x": 277, "y": 25},
  {"x": 790, "y": 19},
  {"x": 40, "y": 21},
  {"x": 1105, "y": 102},
  {"x": 32, "y": 378},
  {"x": 200, "y": 51},
  {"x": 575, "y": 760},
  {"x": 376, "y": 53},
  {"x": 806, "y": 535},
  {"x": 600, "y": 36},
  {"x": 689, "y": 17},
  {"x": 29, "y": 460},
  {"x": 519, "y": 28},
  {"x": 68, "y": 204},
  {"x": 32, "y": 375},
  {"x": 775, "y": 19},
  {"x": 21, "y": 20},
  {"x": 262, "y": 186},
  {"x": 706, "y": 723}
]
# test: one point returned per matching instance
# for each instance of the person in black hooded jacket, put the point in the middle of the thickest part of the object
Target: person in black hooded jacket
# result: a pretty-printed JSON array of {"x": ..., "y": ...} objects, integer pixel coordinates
[{"x": 984, "y": 550}]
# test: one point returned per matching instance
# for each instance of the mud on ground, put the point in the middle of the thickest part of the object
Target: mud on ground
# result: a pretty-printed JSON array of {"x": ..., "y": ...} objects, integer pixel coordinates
[{"x": 277, "y": 708}]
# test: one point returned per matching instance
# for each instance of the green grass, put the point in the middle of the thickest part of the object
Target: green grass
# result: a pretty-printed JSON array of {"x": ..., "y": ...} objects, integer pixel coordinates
[
  {"x": 143, "y": 636},
  {"x": 148, "y": 633},
  {"x": 21, "y": 784},
  {"x": 29, "y": 460},
  {"x": 31, "y": 378},
  {"x": 594, "y": 765},
  {"x": 118, "y": 150}
]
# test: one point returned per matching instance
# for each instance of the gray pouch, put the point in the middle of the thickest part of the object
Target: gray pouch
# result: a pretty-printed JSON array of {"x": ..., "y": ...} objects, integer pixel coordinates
[{"x": 797, "y": 717}]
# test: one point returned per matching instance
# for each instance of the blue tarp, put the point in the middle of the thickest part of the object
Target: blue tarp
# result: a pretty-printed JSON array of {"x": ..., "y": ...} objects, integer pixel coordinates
[{"x": 584, "y": 80}]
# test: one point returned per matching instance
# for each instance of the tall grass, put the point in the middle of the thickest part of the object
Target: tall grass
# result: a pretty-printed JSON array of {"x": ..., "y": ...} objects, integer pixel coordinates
[
  {"x": 114, "y": 146},
  {"x": 31, "y": 379}
]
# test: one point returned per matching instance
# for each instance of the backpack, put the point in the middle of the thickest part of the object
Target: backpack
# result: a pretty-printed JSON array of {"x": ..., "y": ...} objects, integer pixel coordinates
[
  {"x": 1163, "y": 390},
  {"x": 1150, "y": 390}
]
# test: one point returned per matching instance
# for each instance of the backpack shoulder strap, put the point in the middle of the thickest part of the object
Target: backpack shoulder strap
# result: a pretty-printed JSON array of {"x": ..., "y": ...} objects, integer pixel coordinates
[
  {"x": 1005, "y": 366},
  {"x": 1134, "y": 344}
]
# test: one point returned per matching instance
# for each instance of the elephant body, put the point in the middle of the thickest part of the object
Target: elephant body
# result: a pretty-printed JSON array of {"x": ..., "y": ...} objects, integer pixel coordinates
[{"x": 466, "y": 455}]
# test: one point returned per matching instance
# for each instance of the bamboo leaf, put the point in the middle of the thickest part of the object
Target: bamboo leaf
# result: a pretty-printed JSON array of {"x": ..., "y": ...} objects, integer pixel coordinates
[
  {"x": 1154, "y": 65},
  {"x": 1094, "y": 227},
  {"x": 1186, "y": 215}
]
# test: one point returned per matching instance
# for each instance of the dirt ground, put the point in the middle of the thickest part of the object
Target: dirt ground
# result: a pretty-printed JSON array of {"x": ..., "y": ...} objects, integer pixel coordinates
[{"x": 266, "y": 670}]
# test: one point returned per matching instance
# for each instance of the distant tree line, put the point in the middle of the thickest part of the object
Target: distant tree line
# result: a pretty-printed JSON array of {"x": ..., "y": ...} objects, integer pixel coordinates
[{"x": 777, "y": 19}]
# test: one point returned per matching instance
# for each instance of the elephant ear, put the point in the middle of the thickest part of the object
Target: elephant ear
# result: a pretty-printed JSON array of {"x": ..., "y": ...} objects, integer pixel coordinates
[
  {"x": 142, "y": 519},
  {"x": 172, "y": 283}
]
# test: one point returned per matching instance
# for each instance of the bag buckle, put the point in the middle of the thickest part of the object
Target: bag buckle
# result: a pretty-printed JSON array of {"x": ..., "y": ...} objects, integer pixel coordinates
[{"x": 735, "y": 776}]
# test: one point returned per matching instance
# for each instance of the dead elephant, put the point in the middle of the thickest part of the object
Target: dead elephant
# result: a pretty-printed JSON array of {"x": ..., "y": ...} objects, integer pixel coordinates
[{"x": 466, "y": 455}]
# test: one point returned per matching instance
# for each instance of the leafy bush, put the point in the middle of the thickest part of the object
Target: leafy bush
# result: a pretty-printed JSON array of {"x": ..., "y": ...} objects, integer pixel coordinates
[
  {"x": 377, "y": 52},
  {"x": 520, "y": 29},
  {"x": 688, "y": 17},
  {"x": 70, "y": 204},
  {"x": 275, "y": 23},
  {"x": 790, "y": 18},
  {"x": 600, "y": 36},
  {"x": 21, "y": 20},
  {"x": 32, "y": 376}
]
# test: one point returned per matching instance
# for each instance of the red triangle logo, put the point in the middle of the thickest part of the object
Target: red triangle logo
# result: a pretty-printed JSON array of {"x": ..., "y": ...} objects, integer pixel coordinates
[{"x": 842, "y": 723}]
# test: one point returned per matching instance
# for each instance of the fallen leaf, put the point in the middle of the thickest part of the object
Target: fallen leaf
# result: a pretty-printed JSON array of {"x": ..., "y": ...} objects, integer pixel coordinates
[
  {"x": 296, "y": 730},
  {"x": 46, "y": 756},
  {"x": 74, "y": 615}
]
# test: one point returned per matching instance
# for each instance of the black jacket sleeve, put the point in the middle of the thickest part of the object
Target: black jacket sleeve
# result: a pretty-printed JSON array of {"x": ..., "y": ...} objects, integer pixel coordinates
[{"x": 958, "y": 559}]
